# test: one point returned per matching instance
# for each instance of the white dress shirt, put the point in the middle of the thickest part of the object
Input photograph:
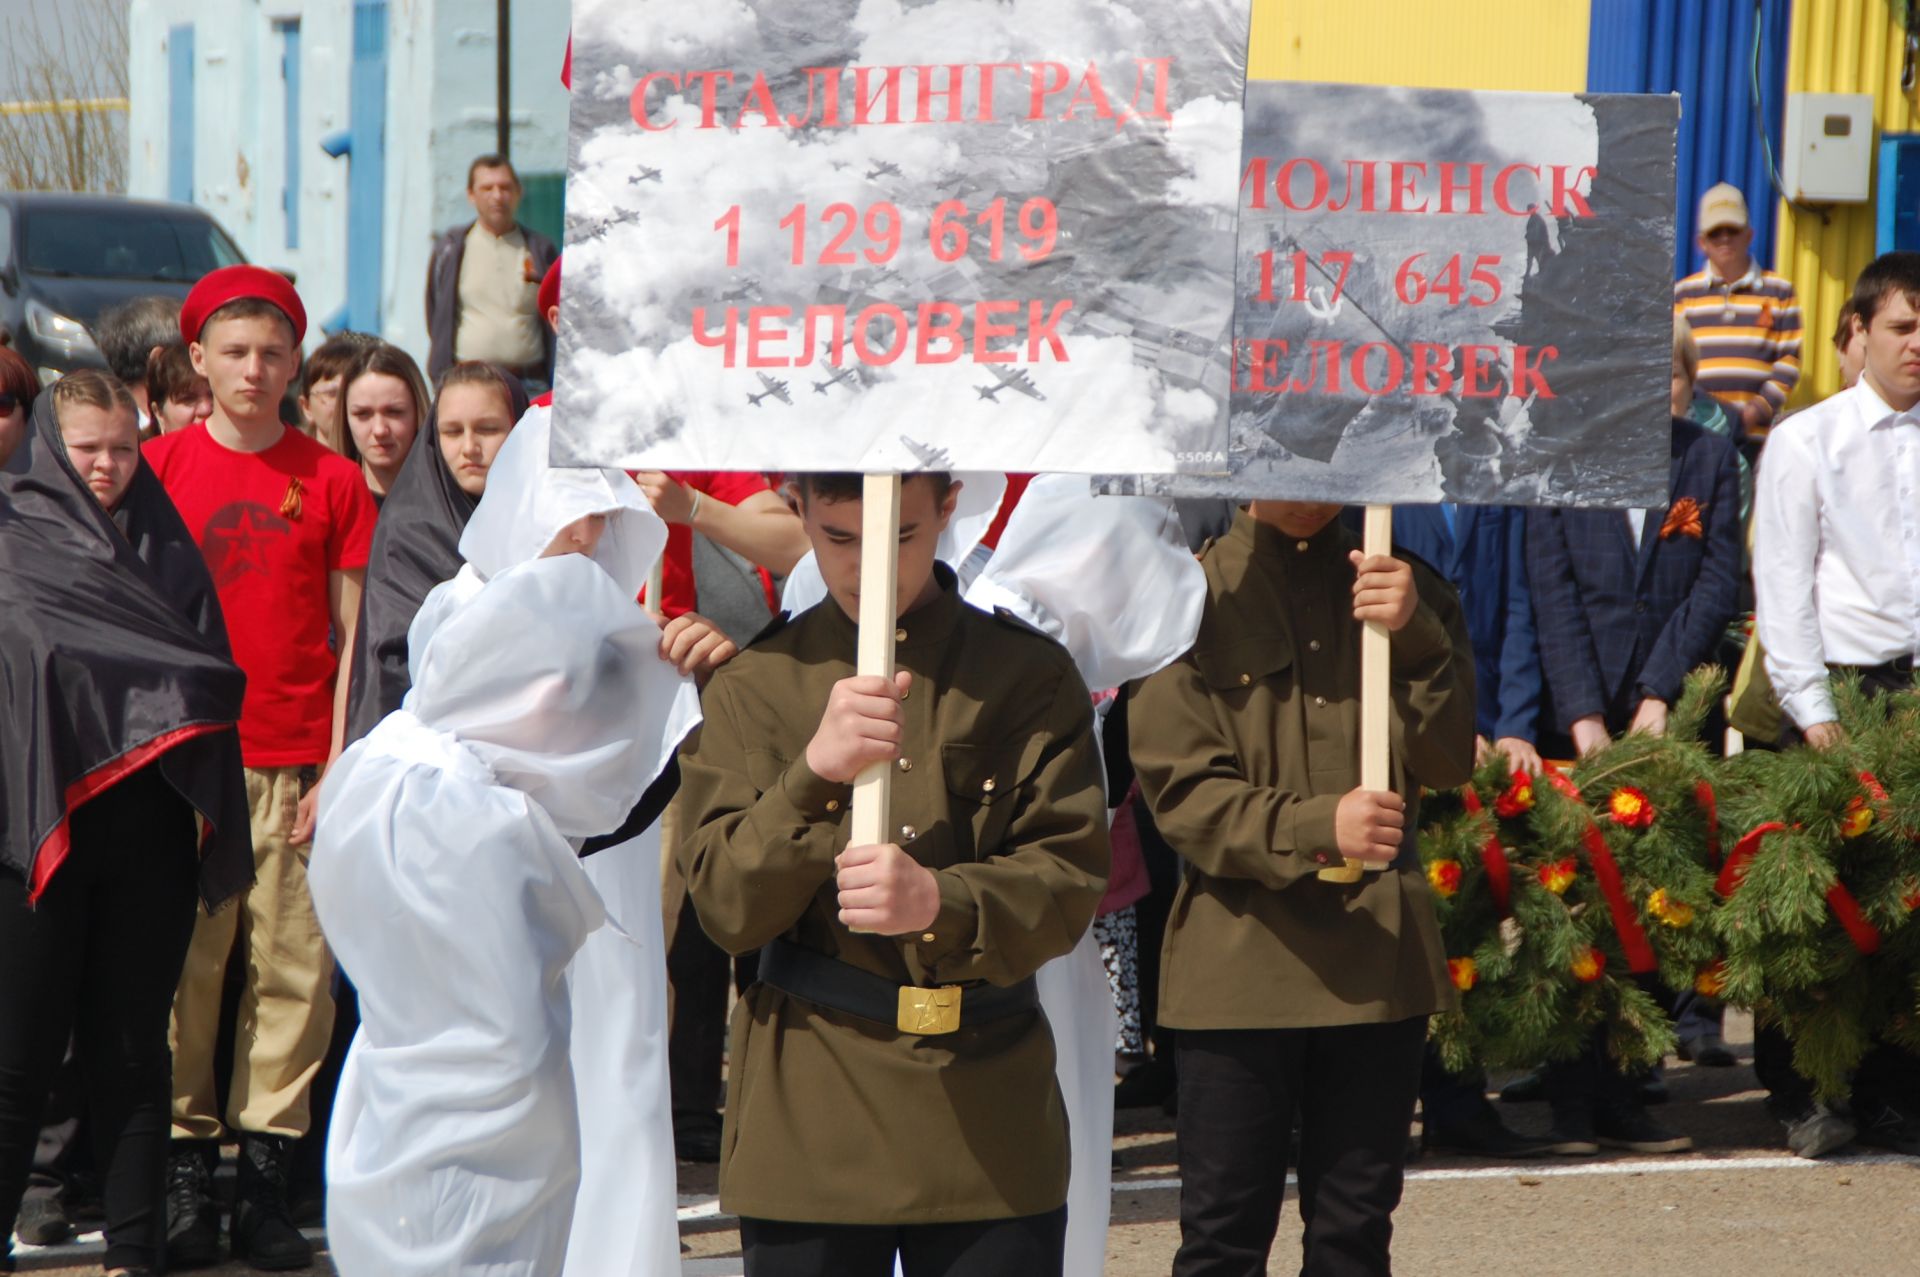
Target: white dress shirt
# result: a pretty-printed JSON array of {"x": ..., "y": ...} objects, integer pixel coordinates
[{"x": 1836, "y": 554}]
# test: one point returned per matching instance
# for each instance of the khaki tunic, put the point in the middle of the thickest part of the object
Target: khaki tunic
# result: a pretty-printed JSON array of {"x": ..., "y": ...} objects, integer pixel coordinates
[
  {"x": 831, "y": 1118},
  {"x": 1244, "y": 748}
]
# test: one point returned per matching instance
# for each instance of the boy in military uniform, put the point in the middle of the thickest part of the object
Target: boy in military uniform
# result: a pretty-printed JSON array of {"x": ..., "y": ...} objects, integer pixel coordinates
[
  {"x": 892, "y": 1082},
  {"x": 1296, "y": 997}
]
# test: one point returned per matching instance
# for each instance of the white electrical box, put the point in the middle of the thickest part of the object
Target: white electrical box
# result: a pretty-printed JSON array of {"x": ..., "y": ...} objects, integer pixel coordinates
[{"x": 1826, "y": 152}]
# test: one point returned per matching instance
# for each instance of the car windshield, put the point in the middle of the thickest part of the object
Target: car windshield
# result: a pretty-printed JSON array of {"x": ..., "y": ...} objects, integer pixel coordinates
[{"x": 129, "y": 243}]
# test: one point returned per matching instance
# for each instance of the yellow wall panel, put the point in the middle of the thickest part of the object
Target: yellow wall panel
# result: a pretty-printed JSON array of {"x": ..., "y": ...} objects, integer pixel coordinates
[
  {"x": 1838, "y": 46},
  {"x": 1536, "y": 45}
]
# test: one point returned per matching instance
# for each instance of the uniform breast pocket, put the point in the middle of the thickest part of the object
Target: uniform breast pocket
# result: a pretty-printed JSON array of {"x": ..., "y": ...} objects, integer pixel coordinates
[
  {"x": 1234, "y": 670},
  {"x": 982, "y": 790}
]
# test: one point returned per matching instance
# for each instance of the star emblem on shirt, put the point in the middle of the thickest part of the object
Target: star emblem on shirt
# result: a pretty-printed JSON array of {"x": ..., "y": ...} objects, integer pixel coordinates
[{"x": 235, "y": 541}]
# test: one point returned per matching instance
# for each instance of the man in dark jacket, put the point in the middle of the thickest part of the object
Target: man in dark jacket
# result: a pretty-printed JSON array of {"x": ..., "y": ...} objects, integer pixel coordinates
[{"x": 483, "y": 283}]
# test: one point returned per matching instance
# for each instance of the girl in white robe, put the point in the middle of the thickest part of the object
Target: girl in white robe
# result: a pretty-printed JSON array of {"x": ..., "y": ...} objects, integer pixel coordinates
[{"x": 446, "y": 876}]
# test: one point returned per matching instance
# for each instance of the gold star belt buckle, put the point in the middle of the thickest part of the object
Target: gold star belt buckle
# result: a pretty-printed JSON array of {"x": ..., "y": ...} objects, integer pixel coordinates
[{"x": 928, "y": 1011}]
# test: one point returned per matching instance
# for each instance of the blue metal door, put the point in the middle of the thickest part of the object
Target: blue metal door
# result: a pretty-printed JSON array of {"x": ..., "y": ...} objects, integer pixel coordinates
[
  {"x": 289, "y": 32},
  {"x": 180, "y": 114}
]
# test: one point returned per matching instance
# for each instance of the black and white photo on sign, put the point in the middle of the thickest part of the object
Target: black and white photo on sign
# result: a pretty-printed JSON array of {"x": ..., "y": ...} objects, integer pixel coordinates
[
  {"x": 1450, "y": 296},
  {"x": 895, "y": 237}
]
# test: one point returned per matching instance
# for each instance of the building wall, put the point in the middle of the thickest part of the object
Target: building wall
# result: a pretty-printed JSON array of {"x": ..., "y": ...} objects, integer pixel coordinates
[
  {"x": 440, "y": 114},
  {"x": 1838, "y": 46},
  {"x": 1537, "y": 45}
]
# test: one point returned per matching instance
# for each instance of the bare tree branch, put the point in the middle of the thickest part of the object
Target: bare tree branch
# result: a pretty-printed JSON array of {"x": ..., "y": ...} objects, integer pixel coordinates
[{"x": 66, "y": 129}]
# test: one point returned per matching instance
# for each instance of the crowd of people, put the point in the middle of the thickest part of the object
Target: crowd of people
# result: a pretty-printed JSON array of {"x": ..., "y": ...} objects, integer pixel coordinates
[{"x": 247, "y": 591}]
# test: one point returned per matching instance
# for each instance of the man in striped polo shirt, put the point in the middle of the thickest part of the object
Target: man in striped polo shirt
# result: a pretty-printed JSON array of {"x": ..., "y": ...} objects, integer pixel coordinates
[{"x": 1745, "y": 319}]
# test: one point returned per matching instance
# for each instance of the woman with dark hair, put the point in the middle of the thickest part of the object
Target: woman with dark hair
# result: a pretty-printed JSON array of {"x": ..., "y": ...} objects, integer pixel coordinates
[
  {"x": 178, "y": 395},
  {"x": 383, "y": 403},
  {"x": 118, "y": 705},
  {"x": 18, "y": 387}
]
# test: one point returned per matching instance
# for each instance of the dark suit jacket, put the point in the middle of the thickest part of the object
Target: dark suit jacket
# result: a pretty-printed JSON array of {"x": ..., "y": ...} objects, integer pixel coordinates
[
  {"x": 1485, "y": 558},
  {"x": 1619, "y": 624},
  {"x": 443, "y": 294}
]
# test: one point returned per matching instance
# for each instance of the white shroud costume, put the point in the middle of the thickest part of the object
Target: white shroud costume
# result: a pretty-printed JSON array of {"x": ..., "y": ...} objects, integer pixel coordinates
[
  {"x": 446, "y": 876},
  {"x": 1112, "y": 579}
]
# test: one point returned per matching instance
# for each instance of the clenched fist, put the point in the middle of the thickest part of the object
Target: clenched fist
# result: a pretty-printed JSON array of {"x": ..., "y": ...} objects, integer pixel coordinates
[
  {"x": 861, "y": 726},
  {"x": 885, "y": 891},
  {"x": 1368, "y": 825},
  {"x": 1382, "y": 590}
]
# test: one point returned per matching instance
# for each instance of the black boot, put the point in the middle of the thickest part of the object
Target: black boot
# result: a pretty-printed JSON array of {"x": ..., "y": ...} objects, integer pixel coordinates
[
  {"x": 263, "y": 1232},
  {"x": 193, "y": 1225}
]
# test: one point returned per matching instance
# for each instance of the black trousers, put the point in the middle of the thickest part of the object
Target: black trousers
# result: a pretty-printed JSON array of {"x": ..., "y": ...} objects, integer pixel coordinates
[
  {"x": 98, "y": 957},
  {"x": 1352, "y": 1089},
  {"x": 1029, "y": 1246}
]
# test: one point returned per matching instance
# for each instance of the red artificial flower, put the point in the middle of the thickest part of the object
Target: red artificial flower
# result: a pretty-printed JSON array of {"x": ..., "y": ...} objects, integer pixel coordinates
[
  {"x": 1857, "y": 819},
  {"x": 1589, "y": 966},
  {"x": 1712, "y": 980},
  {"x": 1557, "y": 875},
  {"x": 1464, "y": 972},
  {"x": 1630, "y": 808},
  {"x": 1674, "y": 913},
  {"x": 1444, "y": 875},
  {"x": 1517, "y": 800}
]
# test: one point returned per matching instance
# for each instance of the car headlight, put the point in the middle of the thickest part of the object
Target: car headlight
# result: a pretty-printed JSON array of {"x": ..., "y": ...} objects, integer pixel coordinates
[{"x": 55, "y": 329}]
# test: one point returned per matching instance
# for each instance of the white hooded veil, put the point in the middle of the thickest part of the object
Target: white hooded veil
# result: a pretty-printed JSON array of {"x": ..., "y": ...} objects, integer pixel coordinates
[{"x": 446, "y": 878}]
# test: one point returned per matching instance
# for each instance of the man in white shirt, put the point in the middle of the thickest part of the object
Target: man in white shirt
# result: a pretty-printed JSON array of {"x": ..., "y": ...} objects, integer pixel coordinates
[
  {"x": 483, "y": 283},
  {"x": 1836, "y": 568}
]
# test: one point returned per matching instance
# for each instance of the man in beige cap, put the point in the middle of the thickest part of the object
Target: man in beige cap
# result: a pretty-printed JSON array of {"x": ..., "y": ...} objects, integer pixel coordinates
[{"x": 1745, "y": 319}]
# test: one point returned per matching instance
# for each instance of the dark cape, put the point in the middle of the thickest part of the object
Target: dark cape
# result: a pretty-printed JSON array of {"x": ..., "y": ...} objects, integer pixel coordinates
[
  {"x": 113, "y": 656},
  {"x": 416, "y": 546}
]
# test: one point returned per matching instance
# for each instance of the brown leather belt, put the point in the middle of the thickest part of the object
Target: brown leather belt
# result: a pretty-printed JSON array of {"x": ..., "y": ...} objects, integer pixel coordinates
[{"x": 829, "y": 982}]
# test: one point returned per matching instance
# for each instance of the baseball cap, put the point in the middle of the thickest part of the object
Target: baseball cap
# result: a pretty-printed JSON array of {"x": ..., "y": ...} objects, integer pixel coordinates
[{"x": 1722, "y": 205}]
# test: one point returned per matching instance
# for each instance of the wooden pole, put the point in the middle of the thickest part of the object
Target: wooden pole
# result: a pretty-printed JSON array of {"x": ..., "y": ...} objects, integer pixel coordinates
[
  {"x": 657, "y": 589},
  {"x": 879, "y": 607},
  {"x": 1376, "y": 692}
]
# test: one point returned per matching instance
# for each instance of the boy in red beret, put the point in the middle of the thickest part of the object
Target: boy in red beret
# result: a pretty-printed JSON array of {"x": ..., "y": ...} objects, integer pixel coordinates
[{"x": 286, "y": 526}]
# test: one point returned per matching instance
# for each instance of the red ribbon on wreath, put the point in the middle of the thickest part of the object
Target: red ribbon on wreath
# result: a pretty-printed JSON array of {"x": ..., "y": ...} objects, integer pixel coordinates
[
  {"x": 1493, "y": 859},
  {"x": 1606, "y": 872},
  {"x": 1703, "y": 794},
  {"x": 1846, "y": 910}
]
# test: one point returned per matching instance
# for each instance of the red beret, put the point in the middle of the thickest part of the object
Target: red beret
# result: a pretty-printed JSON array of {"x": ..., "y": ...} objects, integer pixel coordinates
[
  {"x": 231, "y": 284},
  {"x": 550, "y": 289}
]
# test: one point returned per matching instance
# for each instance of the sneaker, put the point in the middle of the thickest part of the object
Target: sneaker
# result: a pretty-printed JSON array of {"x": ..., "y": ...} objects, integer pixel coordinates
[
  {"x": 1145, "y": 1085},
  {"x": 1481, "y": 1134},
  {"x": 1635, "y": 1131},
  {"x": 42, "y": 1220},
  {"x": 1706, "y": 1050},
  {"x": 262, "y": 1231},
  {"x": 1571, "y": 1134},
  {"x": 697, "y": 1142},
  {"x": 193, "y": 1225},
  {"x": 1883, "y": 1126},
  {"x": 1528, "y": 1088},
  {"x": 1817, "y": 1132}
]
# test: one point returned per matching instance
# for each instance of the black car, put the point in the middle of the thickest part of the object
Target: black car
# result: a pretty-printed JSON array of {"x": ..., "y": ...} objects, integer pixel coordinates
[{"x": 66, "y": 258}]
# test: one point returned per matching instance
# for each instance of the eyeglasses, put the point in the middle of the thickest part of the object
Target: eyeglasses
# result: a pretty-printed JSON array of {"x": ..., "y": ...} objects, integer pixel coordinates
[{"x": 8, "y": 403}]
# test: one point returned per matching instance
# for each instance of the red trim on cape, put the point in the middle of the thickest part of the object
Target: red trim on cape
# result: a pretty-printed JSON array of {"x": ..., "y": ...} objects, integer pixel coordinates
[{"x": 53, "y": 849}]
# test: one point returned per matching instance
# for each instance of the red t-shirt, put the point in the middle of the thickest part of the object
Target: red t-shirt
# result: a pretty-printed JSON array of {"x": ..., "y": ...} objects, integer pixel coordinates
[
  {"x": 272, "y": 526},
  {"x": 678, "y": 592}
]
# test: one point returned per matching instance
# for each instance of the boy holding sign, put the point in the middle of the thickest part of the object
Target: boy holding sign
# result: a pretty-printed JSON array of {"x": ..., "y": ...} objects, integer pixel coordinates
[
  {"x": 892, "y": 1087},
  {"x": 1292, "y": 994}
]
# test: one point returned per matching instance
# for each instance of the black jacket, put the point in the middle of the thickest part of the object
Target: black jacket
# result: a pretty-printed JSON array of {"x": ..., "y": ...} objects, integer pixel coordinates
[{"x": 443, "y": 294}]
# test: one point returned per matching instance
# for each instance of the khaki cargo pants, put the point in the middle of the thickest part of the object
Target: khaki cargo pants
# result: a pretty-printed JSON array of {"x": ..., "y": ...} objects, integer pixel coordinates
[{"x": 286, "y": 999}]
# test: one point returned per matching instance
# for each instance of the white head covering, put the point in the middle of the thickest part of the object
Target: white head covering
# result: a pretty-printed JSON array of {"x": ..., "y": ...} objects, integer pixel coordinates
[
  {"x": 1110, "y": 577},
  {"x": 548, "y": 669},
  {"x": 973, "y": 512}
]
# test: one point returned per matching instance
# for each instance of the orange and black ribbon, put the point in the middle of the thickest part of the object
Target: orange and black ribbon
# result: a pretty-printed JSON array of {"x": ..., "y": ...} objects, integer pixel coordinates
[
  {"x": 1606, "y": 872},
  {"x": 1493, "y": 859}
]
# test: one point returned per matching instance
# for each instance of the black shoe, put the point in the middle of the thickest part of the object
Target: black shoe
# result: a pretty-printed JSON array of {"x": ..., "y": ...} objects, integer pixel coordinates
[
  {"x": 1653, "y": 1090},
  {"x": 1708, "y": 1051},
  {"x": 697, "y": 1143},
  {"x": 1528, "y": 1088},
  {"x": 42, "y": 1220},
  {"x": 1144, "y": 1086},
  {"x": 1883, "y": 1126},
  {"x": 1818, "y": 1131},
  {"x": 1572, "y": 1133},
  {"x": 263, "y": 1233},
  {"x": 1482, "y": 1134},
  {"x": 193, "y": 1225},
  {"x": 1632, "y": 1129}
]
